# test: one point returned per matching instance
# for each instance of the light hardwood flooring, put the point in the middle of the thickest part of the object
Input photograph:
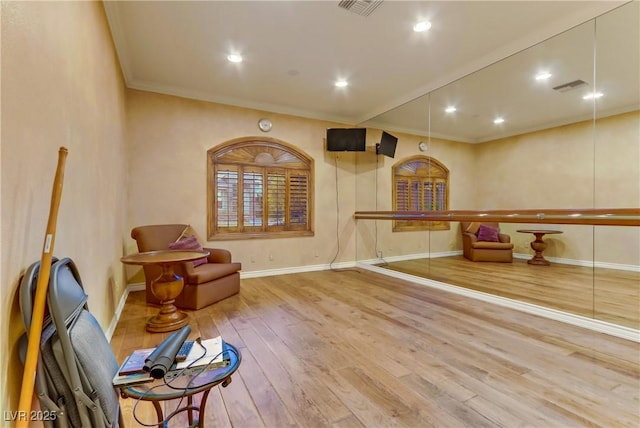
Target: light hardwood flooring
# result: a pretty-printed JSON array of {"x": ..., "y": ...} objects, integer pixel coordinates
[
  {"x": 604, "y": 294},
  {"x": 358, "y": 349}
]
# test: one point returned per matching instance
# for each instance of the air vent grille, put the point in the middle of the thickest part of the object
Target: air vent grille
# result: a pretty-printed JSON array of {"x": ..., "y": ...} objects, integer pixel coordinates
[
  {"x": 570, "y": 86},
  {"x": 360, "y": 7}
]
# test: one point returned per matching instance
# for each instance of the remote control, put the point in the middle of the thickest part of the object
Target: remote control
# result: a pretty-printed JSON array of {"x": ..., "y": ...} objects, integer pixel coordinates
[{"x": 184, "y": 350}]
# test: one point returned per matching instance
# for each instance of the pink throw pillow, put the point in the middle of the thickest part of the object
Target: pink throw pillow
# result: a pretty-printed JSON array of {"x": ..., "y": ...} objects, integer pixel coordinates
[
  {"x": 189, "y": 243},
  {"x": 488, "y": 233}
]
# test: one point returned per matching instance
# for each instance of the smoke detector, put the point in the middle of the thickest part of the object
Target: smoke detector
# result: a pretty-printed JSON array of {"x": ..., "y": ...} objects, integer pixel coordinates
[
  {"x": 570, "y": 86},
  {"x": 360, "y": 7}
]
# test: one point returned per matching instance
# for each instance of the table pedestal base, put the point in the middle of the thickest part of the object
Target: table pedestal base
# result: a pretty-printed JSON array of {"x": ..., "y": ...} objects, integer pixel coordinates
[
  {"x": 166, "y": 288},
  {"x": 538, "y": 246},
  {"x": 538, "y": 260},
  {"x": 170, "y": 321}
]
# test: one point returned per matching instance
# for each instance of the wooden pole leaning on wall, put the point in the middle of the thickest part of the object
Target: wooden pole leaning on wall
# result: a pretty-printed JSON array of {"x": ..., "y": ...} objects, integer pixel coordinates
[{"x": 37, "y": 317}]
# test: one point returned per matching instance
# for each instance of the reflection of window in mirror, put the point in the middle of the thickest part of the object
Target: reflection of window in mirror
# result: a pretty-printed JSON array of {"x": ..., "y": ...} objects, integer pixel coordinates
[{"x": 420, "y": 183}]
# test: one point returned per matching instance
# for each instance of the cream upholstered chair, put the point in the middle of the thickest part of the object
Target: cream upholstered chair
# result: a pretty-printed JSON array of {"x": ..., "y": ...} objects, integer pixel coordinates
[
  {"x": 483, "y": 242},
  {"x": 205, "y": 283}
]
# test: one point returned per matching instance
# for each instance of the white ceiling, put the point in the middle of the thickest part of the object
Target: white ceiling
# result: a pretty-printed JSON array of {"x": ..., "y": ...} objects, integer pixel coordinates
[{"x": 295, "y": 50}]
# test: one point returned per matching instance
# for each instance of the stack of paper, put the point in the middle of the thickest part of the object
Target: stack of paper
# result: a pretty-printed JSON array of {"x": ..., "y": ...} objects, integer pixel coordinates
[{"x": 197, "y": 357}]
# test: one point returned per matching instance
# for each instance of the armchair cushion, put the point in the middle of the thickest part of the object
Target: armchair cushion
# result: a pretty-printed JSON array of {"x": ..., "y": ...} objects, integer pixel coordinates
[
  {"x": 491, "y": 245},
  {"x": 488, "y": 233},
  {"x": 210, "y": 271}
]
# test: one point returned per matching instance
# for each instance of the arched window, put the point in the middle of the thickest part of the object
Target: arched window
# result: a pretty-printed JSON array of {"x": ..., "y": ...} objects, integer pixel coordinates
[
  {"x": 420, "y": 183},
  {"x": 258, "y": 187}
]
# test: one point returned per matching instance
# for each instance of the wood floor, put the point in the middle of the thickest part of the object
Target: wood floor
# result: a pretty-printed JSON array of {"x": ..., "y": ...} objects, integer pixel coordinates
[
  {"x": 604, "y": 294},
  {"x": 358, "y": 349}
]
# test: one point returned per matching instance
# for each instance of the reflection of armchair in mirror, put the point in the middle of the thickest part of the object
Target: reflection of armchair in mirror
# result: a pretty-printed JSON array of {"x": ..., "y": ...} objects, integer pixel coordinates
[{"x": 483, "y": 242}]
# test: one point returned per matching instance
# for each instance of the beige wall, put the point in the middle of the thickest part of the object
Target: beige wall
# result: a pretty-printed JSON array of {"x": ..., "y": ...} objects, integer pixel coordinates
[
  {"x": 582, "y": 165},
  {"x": 168, "y": 142},
  {"x": 61, "y": 86}
]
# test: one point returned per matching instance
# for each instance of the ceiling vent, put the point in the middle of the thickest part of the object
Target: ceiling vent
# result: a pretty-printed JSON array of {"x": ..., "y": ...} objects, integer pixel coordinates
[
  {"x": 360, "y": 7},
  {"x": 570, "y": 86}
]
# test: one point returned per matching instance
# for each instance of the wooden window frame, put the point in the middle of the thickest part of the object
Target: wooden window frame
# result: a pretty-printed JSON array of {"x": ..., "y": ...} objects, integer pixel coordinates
[
  {"x": 434, "y": 173},
  {"x": 266, "y": 158}
]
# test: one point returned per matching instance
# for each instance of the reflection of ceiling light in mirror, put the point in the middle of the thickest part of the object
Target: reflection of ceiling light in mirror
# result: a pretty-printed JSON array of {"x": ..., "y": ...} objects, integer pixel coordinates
[
  {"x": 341, "y": 83},
  {"x": 421, "y": 26},
  {"x": 592, "y": 95},
  {"x": 450, "y": 109},
  {"x": 498, "y": 120},
  {"x": 234, "y": 58},
  {"x": 543, "y": 75}
]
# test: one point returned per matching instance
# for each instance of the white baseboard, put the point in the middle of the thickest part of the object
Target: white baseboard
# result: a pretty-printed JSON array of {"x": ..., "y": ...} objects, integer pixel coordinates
[
  {"x": 392, "y": 259},
  {"x": 136, "y": 286},
  {"x": 577, "y": 320},
  {"x": 297, "y": 269},
  {"x": 583, "y": 263},
  {"x": 523, "y": 256},
  {"x": 116, "y": 316}
]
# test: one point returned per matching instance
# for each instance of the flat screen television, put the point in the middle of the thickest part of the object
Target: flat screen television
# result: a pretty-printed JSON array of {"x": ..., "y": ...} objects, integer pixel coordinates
[
  {"x": 346, "y": 139},
  {"x": 387, "y": 145}
]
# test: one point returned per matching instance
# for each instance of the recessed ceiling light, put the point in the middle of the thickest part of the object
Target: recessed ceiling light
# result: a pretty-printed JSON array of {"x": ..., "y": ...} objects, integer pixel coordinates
[
  {"x": 341, "y": 83},
  {"x": 543, "y": 75},
  {"x": 421, "y": 26},
  {"x": 498, "y": 120},
  {"x": 450, "y": 109},
  {"x": 234, "y": 58},
  {"x": 592, "y": 95}
]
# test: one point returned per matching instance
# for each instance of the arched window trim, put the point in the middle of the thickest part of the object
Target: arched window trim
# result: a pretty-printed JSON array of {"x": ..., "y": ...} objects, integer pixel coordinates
[
  {"x": 437, "y": 177},
  {"x": 266, "y": 185}
]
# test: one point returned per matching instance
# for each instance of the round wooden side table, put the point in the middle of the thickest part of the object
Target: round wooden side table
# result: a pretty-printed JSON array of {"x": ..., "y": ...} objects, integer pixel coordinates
[
  {"x": 167, "y": 286},
  {"x": 538, "y": 245}
]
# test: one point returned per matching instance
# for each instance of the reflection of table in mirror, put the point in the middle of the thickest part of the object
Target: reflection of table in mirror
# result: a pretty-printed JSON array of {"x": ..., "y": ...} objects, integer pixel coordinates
[
  {"x": 167, "y": 286},
  {"x": 185, "y": 386},
  {"x": 539, "y": 245}
]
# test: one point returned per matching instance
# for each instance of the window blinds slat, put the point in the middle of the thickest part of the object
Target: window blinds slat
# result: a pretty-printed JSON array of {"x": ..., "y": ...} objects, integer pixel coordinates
[
  {"x": 402, "y": 195},
  {"x": 276, "y": 199},
  {"x": 227, "y": 198},
  {"x": 298, "y": 199},
  {"x": 252, "y": 199}
]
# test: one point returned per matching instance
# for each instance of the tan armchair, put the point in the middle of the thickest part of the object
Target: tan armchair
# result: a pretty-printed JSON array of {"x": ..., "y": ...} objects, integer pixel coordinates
[
  {"x": 483, "y": 251},
  {"x": 205, "y": 284}
]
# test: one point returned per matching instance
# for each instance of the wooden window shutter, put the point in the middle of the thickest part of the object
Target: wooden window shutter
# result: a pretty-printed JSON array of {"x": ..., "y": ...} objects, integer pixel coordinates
[
  {"x": 298, "y": 199},
  {"x": 227, "y": 198},
  {"x": 276, "y": 199},
  {"x": 252, "y": 199}
]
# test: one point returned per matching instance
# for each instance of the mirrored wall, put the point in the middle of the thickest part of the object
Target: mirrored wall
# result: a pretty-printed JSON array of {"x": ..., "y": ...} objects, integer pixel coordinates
[{"x": 556, "y": 126}]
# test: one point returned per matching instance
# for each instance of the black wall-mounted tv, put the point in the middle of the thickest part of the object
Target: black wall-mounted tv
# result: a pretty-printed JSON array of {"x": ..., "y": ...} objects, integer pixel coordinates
[
  {"x": 346, "y": 139},
  {"x": 387, "y": 145}
]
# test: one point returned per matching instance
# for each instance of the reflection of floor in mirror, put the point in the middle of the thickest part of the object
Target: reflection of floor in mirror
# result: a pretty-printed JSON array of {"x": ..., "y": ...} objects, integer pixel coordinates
[{"x": 559, "y": 286}]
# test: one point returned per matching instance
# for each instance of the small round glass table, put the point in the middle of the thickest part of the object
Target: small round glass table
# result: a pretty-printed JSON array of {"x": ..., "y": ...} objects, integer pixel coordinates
[{"x": 180, "y": 386}]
